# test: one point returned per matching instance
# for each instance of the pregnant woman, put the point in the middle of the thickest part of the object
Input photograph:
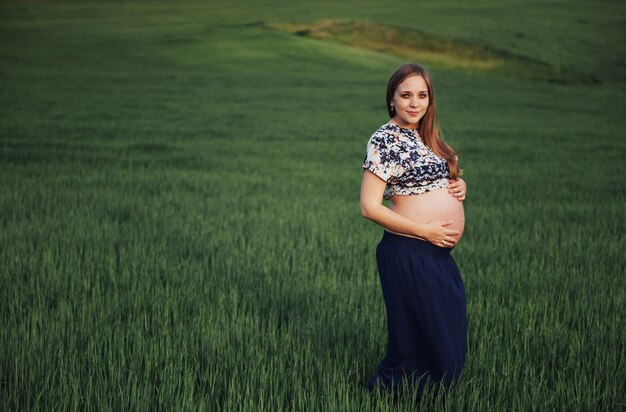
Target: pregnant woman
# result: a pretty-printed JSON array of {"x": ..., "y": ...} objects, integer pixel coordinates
[{"x": 408, "y": 163}]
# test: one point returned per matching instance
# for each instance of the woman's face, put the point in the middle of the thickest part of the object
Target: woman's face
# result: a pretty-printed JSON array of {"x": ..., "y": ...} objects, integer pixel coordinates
[{"x": 410, "y": 101}]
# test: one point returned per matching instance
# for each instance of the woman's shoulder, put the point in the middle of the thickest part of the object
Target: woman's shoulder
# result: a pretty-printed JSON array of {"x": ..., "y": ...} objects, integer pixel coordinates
[
  {"x": 386, "y": 133},
  {"x": 391, "y": 134},
  {"x": 385, "y": 128}
]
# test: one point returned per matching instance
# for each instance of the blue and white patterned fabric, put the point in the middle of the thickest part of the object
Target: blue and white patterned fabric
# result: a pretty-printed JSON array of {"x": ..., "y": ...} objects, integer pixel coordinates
[{"x": 400, "y": 157}]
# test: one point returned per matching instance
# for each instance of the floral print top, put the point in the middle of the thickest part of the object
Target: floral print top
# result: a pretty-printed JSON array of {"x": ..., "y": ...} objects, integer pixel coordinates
[{"x": 400, "y": 157}]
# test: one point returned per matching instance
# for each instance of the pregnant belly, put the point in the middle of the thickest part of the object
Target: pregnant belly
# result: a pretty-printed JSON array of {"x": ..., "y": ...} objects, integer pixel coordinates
[{"x": 436, "y": 205}]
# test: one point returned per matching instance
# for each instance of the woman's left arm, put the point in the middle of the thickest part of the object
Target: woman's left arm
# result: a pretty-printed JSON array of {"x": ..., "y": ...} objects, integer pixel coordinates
[{"x": 457, "y": 188}]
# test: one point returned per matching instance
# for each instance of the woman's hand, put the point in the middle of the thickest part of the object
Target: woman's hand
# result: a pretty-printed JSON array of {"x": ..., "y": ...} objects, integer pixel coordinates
[
  {"x": 439, "y": 235},
  {"x": 457, "y": 188}
]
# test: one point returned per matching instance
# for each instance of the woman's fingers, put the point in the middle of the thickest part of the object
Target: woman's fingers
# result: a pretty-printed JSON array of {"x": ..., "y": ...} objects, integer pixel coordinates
[
  {"x": 454, "y": 186},
  {"x": 446, "y": 236},
  {"x": 448, "y": 239},
  {"x": 457, "y": 188},
  {"x": 448, "y": 242},
  {"x": 458, "y": 193}
]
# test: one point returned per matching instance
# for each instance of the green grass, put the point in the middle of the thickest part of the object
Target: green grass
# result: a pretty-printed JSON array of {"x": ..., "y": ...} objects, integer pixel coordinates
[
  {"x": 179, "y": 207},
  {"x": 431, "y": 49}
]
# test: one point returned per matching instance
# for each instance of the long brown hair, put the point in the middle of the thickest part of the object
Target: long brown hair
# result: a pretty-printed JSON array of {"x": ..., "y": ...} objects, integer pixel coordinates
[{"x": 428, "y": 126}]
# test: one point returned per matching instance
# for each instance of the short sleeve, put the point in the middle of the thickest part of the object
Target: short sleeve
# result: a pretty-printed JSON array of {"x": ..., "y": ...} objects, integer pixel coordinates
[{"x": 382, "y": 157}]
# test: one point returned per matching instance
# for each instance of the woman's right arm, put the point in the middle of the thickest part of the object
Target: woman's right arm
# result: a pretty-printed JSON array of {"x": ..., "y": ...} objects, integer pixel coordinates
[{"x": 372, "y": 189}]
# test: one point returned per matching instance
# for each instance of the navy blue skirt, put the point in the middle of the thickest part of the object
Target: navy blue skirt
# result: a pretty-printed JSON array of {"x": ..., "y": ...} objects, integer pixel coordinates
[{"x": 426, "y": 315}]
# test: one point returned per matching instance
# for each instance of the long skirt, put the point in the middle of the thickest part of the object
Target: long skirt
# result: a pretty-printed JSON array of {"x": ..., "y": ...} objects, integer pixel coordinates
[{"x": 426, "y": 315}]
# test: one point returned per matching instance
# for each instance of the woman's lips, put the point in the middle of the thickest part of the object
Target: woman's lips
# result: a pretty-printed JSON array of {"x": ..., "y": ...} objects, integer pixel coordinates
[{"x": 413, "y": 113}]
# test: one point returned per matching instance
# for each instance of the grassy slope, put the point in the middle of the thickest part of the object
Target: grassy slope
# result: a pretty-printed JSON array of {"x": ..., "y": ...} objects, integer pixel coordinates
[{"x": 180, "y": 200}]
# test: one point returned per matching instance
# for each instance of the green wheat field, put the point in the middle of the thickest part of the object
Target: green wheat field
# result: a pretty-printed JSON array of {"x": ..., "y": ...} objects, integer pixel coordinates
[{"x": 179, "y": 201}]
